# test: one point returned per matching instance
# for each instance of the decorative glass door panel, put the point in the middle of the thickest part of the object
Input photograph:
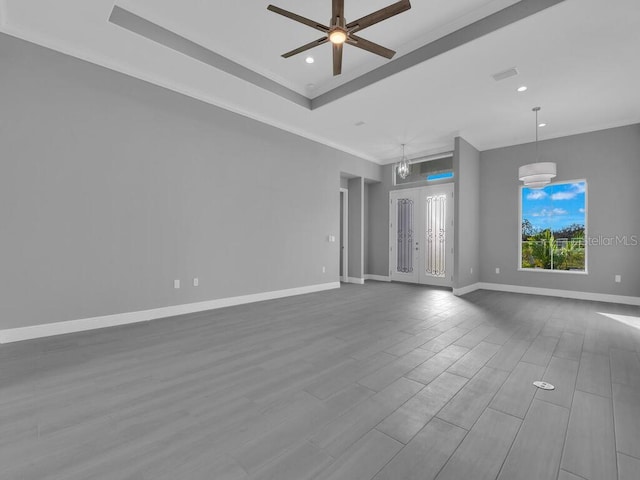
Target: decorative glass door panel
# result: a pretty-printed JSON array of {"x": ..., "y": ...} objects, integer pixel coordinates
[
  {"x": 405, "y": 247},
  {"x": 436, "y": 234},
  {"x": 403, "y": 236}
]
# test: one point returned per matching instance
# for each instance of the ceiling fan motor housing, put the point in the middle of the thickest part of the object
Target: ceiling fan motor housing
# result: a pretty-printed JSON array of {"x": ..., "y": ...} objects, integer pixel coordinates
[{"x": 340, "y": 32}]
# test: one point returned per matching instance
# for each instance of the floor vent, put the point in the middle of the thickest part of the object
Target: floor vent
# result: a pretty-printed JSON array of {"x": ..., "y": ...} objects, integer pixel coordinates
[{"x": 544, "y": 385}]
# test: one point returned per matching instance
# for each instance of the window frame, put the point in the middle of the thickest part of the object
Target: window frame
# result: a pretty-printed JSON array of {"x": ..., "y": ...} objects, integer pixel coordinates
[
  {"x": 586, "y": 229},
  {"x": 423, "y": 182}
]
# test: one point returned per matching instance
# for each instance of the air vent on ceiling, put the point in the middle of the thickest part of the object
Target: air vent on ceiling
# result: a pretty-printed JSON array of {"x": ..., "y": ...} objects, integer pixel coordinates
[{"x": 512, "y": 72}]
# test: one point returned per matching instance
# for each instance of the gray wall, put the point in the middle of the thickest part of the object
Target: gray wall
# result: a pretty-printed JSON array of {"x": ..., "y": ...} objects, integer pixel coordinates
[
  {"x": 378, "y": 226},
  {"x": 111, "y": 188},
  {"x": 466, "y": 167},
  {"x": 610, "y": 162},
  {"x": 356, "y": 227}
]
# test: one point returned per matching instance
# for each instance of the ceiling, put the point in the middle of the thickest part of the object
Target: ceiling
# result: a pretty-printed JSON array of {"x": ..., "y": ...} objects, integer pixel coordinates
[{"x": 578, "y": 59}]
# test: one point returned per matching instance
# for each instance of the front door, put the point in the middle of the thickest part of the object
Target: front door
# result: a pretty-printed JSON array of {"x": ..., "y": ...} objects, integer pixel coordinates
[{"x": 421, "y": 235}]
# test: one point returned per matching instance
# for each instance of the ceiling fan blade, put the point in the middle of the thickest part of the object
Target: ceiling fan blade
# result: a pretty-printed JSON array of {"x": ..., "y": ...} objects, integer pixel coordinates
[
  {"x": 370, "y": 46},
  {"x": 337, "y": 59},
  {"x": 379, "y": 16},
  {"x": 298, "y": 18},
  {"x": 337, "y": 10},
  {"x": 308, "y": 46}
]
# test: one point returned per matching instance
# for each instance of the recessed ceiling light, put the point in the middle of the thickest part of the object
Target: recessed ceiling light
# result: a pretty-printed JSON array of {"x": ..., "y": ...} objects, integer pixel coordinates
[
  {"x": 542, "y": 124},
  {"x": 522, "y": 89},
  {"x": 309, "y": 59}
]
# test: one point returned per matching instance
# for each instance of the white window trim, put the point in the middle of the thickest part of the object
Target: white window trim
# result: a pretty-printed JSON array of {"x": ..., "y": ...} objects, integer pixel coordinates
[{"x": 586, "y": 230}]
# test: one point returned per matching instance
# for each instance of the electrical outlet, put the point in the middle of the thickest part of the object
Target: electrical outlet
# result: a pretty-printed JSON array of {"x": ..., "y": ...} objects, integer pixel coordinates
[
  {"x": 497, "y": 270},
  {"x": 618, "y": 278},
  {"x": 324, "y": 269},
  {"x": 176, "y": 284},
  {"x": 471, "y": 270},
  {"x": 196, "y": 282}
]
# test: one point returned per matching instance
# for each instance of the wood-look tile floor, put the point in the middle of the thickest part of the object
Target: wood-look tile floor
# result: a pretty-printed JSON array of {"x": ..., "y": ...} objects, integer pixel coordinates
[{"x": 381, "y": 381}]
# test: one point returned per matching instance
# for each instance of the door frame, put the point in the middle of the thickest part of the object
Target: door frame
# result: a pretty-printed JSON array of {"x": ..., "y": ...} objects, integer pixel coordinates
[
  {"x": 345, "y": 235},
  {"x": 418, "y": 193}
]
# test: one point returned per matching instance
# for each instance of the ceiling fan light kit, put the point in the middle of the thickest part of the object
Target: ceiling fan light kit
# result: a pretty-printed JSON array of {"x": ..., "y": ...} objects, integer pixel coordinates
[
  {"x": 338, "y": 37},
  {"x": 537, "y": 175},
  {"x": 341, "y": 32},
  {"x": 338, "y": 33}
]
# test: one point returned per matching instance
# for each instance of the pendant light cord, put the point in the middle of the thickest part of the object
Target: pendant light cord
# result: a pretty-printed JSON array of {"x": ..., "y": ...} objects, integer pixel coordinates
[{"x": 537, "y": 109}]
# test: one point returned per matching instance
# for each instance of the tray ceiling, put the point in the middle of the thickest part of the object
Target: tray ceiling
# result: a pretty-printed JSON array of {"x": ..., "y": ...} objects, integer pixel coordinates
[{"x": 578, "y": 59}]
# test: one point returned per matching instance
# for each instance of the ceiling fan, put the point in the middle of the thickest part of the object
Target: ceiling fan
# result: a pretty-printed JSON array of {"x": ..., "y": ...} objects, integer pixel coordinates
[{"x": 340, "y": 32}]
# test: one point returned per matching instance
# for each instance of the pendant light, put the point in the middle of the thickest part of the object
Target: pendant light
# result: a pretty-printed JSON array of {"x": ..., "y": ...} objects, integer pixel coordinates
[
  {"x": 539, "y": 174},
  {"x": 403, "y": 167}
]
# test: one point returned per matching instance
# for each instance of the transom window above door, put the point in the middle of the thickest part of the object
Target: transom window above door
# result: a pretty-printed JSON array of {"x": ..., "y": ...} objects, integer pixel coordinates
[{"x": 426, "y": 170}]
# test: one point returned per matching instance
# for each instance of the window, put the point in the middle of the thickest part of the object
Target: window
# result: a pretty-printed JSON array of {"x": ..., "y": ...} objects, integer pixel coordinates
[
  {"x": 439, "y": 176},
  {"x": 429, "y": 169},
  {"x": 553, "y": 228}
]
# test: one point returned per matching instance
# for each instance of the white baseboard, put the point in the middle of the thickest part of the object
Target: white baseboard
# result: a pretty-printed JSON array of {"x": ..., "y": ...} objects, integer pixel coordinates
[
  {"x": 550, "y": 292},
  {"x": 468, "y": 289},
  {"x": 379, "y": 278},
  {"x": 59, "y": 328},
  {"x": 10, "y": 335}
]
